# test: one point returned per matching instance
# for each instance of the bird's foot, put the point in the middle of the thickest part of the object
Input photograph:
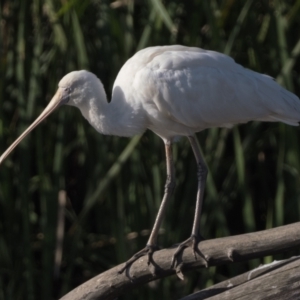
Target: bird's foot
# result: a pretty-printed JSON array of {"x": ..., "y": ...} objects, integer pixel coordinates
[
  {"x": 148, "y": 250},
  {"x": 191, "y": 242}
]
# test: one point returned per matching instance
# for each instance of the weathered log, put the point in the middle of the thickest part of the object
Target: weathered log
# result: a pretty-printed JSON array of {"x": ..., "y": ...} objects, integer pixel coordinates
[
  {"x": 277, "y": 280},
  {"x": 111, "y": 284}
]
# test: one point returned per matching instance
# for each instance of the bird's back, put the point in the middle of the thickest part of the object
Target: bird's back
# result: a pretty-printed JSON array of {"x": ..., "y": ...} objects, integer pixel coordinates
[{"x": 184, "y": 90}]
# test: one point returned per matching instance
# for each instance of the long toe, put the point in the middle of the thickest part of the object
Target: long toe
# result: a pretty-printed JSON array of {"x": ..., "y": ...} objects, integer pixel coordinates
[
  {"x": 191, "y": 242},
  {"x": 148, "y": 250}
]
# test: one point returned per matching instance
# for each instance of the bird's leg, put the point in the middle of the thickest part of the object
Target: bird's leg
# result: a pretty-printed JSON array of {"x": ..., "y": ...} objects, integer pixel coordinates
[
  {"x": 169, "y": 188},
  {"x": 151, "y": 245},
  {"x": 201, "y": 175}
]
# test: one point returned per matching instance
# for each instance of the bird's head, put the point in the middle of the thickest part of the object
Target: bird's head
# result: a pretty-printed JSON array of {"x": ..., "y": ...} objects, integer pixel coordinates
[
  {"x": 73, "y": 89},
  {"x": 76, "y": 87}
]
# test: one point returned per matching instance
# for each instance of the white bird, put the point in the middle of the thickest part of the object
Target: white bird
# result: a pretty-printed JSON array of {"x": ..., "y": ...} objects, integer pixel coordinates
[{"x": 174, "y": 91}]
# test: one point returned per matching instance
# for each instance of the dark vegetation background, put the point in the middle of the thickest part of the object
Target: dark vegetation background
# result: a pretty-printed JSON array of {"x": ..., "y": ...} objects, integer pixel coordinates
[{"x": 114, "y": 185}]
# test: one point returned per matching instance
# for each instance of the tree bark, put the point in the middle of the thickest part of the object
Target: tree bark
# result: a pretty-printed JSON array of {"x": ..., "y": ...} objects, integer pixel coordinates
[{"x": 111, "y": 284}]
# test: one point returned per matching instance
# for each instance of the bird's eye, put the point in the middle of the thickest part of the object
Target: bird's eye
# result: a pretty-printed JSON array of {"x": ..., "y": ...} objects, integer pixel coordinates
[{"x": 65, "y": 95}]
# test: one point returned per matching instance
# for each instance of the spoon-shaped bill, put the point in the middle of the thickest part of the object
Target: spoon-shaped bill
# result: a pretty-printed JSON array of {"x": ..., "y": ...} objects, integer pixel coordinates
[{"x": 55, "y": 102}]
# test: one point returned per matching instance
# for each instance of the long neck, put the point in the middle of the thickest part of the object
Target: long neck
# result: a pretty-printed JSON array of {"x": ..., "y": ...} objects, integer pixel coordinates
[{"x": 119, "y": 117}]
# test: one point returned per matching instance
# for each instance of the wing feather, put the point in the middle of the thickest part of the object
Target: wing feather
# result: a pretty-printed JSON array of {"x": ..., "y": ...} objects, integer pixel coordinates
[{"x": 198, "y": 89}]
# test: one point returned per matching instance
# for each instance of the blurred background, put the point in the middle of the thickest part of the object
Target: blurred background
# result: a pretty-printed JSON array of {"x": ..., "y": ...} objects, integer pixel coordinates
[{"x": 74, "y": 203}]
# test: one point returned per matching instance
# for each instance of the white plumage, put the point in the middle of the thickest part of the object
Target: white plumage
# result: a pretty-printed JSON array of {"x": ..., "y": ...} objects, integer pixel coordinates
[
  {"x": 177, "y": 90},
  {"x": 174, "y": 91}
]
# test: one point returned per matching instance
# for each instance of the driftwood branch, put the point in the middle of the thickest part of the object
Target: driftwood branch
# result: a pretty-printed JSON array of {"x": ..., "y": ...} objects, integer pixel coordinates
[
  {"x": 277, "y": 280},
  {"x": 110, "y": 284}
]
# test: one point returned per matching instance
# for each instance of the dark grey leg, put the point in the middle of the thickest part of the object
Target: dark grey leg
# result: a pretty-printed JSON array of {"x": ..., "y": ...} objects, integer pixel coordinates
[
  {"x": 151, "y": 246},
  {"x": 201, "y": 175}
]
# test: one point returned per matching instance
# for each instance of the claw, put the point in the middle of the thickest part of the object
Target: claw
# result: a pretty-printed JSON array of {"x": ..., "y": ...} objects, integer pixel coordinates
[
  {"x": 148, "y": 250},
  {"x": 179, "y": 271},
  {"x": 180, "y": 248},
  {"x": 190, "y": 242}
]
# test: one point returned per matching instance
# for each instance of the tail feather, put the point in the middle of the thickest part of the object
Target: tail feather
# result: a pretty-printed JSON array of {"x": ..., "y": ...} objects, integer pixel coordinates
[{"x": 275, "y": 118}]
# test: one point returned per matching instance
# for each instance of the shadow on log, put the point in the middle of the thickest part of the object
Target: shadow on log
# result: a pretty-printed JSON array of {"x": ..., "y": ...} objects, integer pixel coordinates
[{"x": 110, "y": 284}]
